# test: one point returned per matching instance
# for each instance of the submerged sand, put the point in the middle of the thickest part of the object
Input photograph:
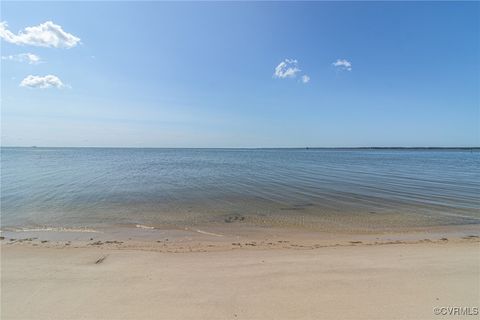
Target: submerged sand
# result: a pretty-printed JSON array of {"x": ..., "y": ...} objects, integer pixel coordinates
[{"x": 273, "y": 276}]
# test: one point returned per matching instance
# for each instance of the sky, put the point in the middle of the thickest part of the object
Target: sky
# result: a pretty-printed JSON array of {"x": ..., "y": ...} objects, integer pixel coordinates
[{"x": 240, "y": 74}]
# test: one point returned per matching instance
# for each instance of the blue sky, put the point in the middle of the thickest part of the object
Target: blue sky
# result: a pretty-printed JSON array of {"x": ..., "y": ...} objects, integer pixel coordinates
[{"x": 203, "y": 74}]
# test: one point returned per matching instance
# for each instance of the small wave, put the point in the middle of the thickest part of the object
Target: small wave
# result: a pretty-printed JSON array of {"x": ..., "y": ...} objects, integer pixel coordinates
[
  {"x": 54, "y": 229},
  {"x": 209, "y": 233},
  {"x": 141, "y": 226}
]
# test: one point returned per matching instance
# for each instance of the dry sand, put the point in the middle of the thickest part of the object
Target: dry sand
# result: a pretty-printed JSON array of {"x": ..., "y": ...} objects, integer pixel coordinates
[{"x": 350, "y": 281}]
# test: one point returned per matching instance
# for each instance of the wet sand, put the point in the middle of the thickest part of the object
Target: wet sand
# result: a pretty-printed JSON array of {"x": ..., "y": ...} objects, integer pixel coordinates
[{"x": 186, "y": 274}]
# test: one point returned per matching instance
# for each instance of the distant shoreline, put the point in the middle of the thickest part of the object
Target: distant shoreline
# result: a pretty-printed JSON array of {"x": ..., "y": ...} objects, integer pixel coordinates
[{"x": 246, "y": 148}]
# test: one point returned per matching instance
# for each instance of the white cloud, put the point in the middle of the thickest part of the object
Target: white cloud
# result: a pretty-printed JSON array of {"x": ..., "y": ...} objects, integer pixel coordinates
[
  {"x": 47, "y": 34},
  {"x": 47, "y": 81},
  {"x": 288, "y": 68},
  {"x": 23, "y": 57},
  {"x": 343, "y": 64},
  {"x": 305, "y": 78}
]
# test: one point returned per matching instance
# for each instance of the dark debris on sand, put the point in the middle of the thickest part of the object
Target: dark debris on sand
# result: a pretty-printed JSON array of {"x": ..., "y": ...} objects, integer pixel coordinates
[
  {"x": 234, "y": 218},
  {"x": 100, "y": 260}
]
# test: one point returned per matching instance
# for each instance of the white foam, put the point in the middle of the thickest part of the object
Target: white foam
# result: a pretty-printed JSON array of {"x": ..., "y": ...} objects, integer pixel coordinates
[
  {"x": 141, "y": 226},
  {"x": 209, "y": 233},
  {"x": 54, "y": 229}
]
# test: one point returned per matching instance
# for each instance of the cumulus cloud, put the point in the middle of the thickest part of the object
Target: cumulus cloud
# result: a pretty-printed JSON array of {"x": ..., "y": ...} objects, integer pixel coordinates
[
  {"x": 305, "y": 78},
  {"x": 47, "y": 81},
  {"x": 30, "y": 58},
  {"x": 47, "y": 34},
  {"x": 288, "y": 68},
  {"x": 343, "y": 64}
]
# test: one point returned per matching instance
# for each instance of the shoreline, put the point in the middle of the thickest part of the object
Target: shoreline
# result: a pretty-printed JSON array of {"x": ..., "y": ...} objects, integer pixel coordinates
[{"x": 223, "y": 238}]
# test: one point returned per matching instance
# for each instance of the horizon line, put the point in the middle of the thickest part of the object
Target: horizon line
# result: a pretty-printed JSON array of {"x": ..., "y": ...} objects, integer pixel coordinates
[{"x": 251, "y": 148}]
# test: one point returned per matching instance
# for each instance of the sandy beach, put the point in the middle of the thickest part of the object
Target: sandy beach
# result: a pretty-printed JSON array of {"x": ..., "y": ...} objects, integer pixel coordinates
[{"x": 376, "y": 277}]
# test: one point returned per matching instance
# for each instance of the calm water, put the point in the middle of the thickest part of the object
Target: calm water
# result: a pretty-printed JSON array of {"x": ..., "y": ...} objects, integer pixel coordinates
[{"x": 108, "y": 187}]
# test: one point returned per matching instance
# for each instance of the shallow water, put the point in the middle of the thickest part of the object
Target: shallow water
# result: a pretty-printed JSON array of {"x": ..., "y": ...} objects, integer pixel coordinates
[{"x": 93, "y": 187}]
